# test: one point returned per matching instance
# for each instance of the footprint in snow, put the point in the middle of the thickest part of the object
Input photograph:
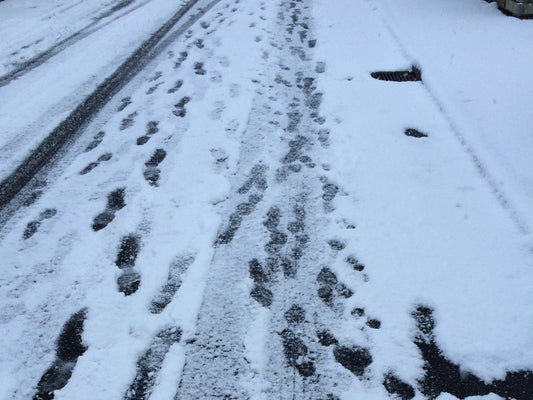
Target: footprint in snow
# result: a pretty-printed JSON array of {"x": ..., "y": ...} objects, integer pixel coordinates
[
  {"x": 94, "y": 164},
  {"x": 219, "y": 107},
  {"x": 97, "y": 139},
  {"x": 129, "y": 121},
  {"x": 199, "y": 68},
  {"x": 33, "y": 226},
  {"x": 69, "y": 347},
  {"x": 115, "y": 202},
  {"x": 234, "y": 90}
]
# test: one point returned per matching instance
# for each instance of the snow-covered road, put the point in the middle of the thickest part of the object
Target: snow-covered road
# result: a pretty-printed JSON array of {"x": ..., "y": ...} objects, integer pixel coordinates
[{"x": 253, "y": 216}]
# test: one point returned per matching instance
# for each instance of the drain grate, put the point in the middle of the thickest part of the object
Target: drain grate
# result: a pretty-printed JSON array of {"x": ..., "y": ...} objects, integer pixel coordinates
[{"x": 415, "y": 75}]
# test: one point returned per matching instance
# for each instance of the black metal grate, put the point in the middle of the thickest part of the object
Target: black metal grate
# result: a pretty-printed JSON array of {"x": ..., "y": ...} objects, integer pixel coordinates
[{"x": 415, "y": 75}]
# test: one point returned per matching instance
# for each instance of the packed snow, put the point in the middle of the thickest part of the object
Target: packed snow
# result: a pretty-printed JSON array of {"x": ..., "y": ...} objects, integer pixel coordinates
[{"x": 247, "y": 217}]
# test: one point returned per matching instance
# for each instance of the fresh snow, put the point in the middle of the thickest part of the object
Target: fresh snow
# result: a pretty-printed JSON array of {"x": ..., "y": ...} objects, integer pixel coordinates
[
  {"x": 36, "y": 101},
  {"x": 424, "y": 213},
  {"x": 245, "y": 149}
]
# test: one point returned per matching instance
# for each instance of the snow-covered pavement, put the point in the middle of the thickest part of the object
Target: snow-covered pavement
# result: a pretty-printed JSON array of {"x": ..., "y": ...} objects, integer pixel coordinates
[
  {"x": 254, "y": 216},
  {"x": 41, "y": 88}
]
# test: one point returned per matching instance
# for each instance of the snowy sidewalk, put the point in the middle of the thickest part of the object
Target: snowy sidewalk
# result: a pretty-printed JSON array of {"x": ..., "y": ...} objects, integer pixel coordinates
[{"x": 248, "y": 219}]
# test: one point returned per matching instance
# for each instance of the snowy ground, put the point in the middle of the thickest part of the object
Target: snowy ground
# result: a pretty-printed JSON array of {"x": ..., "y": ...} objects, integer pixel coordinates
[
  {"x": 247, "y": 219},
  {"x": 46, "y": 71}
]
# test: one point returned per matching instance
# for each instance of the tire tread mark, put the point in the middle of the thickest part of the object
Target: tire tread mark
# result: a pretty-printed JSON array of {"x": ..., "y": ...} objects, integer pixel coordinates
[{"x": 71, "y": 126}]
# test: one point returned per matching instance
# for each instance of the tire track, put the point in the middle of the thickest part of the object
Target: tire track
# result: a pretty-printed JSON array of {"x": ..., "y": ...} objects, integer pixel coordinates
[
  {"x": 272, "y": 241},
  {"x": 71, "y": 127},
  {"x": 41, "y": 58},
  {"x": 150, "y": 363}
]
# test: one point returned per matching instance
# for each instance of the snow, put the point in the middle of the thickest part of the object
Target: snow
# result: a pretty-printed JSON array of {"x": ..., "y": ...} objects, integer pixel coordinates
[
  {"x": 36, "y": 102},
  {"x": 476, "y": 63},
  {"x": 426, "y": 220},
  {"x": 442, "y": 221},
  {"x": 51, "y": 22}
]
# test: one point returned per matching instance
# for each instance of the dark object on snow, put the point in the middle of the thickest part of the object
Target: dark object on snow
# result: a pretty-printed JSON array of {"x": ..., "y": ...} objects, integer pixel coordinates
[
  {"x": 69, "y": 347},
  {"x": 414, "y": 133},
  {"x": 522, "y": 9},
  {"x": 395, "y": 386},
  {"x": 354, "y": 359},
  {"x": 373, "y": 323},
  {"x": 443, "y": 376},
  {"x": 415, "y": 75},
  {"x": 262, "y": 295}
]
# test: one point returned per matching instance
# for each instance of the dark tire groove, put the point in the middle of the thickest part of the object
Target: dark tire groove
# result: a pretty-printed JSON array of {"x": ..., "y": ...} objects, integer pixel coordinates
[{"x": 71, "y": 127}]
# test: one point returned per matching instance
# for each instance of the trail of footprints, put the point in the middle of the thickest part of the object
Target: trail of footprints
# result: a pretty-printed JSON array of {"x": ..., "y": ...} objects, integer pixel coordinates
[
  {"x": 286, "y": 246},
  {"x": 151, "y": 172},
  {"x": 441, "y": 375},
  {"x": 149, "y": 364},
  {"x": 70, "y": 344},
  {"x": 284, "y": 250},
  {"x": 355, "y": 359}
]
